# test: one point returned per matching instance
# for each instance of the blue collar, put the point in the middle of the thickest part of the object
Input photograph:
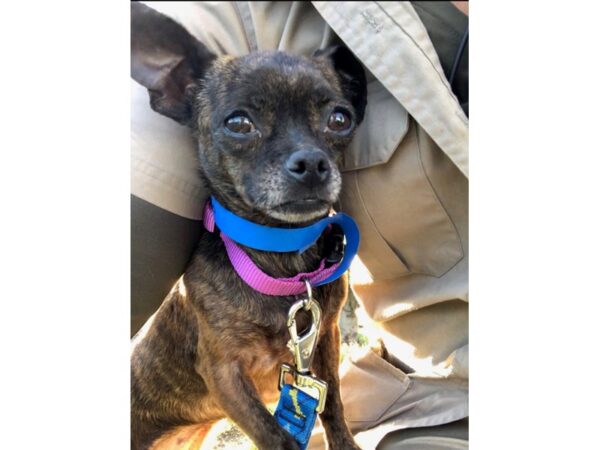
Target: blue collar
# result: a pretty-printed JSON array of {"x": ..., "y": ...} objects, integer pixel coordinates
[{"x": 273, "y": 239}]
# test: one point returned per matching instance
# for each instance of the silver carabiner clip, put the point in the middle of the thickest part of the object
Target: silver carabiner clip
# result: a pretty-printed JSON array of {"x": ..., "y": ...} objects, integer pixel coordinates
[{"x": 303, "y": 346}]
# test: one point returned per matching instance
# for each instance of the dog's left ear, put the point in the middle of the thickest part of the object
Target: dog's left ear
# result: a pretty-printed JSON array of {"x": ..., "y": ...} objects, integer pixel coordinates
[
  {"x": 167, "y": 60},
  {"x": 351, "y": 74}
]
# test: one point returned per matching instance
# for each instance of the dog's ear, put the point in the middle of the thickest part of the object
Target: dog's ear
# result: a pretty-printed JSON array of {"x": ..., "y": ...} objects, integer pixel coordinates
[
  {"x": 351, "y": 74},
  {"x": 167, "y": 60}
]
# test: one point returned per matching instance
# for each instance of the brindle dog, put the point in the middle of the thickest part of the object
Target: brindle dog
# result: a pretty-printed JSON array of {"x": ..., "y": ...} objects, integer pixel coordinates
[{"x": 271, "y": 129}]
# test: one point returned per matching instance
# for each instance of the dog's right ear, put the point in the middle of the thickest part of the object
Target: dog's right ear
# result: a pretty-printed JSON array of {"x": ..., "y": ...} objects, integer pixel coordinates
[{"x": 167, "y": 60}]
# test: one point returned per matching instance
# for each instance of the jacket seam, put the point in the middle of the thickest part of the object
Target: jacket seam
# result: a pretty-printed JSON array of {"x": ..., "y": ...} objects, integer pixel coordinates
[
  {"x": 439, "y": 202},
  {"x": 441, "y": 76},
  {"x": 374, "y": 225},
  {"x": 249, "y": 42}
]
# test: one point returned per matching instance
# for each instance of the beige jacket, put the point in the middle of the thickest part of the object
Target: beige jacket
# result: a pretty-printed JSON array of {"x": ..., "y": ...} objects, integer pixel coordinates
[{"x": 405, "y": 183}]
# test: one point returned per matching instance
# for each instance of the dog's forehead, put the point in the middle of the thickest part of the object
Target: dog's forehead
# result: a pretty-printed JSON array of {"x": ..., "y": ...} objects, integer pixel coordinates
[{"x": 266, "y": 74}]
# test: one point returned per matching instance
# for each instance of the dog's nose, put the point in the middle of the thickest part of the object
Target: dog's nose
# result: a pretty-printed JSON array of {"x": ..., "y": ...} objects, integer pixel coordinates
[{"x": 308, "y": 166}]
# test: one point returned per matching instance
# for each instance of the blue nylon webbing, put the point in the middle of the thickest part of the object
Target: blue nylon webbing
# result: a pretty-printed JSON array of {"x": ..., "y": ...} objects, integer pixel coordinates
[
  {"x": 296, "y": 413},
  {"x": 272, "y": 239}
]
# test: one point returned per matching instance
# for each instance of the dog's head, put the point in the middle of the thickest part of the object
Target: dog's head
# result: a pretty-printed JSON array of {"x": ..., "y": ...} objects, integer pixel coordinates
[{"x": 271, "y": 127}]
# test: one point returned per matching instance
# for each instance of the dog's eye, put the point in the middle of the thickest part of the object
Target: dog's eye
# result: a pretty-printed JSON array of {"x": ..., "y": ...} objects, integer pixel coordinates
[
  {"x": 239, "y": 123},
  {"x": 339, "y": 121}
]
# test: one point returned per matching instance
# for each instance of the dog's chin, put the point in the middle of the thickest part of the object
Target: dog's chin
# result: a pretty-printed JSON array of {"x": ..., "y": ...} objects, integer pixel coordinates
[{"x": 299, "y": 211}]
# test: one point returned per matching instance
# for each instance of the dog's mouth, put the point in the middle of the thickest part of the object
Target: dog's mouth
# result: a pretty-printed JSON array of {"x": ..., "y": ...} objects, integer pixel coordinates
[
  {"x": 300, "y": 210},
  {"x": 308, "y": 202},
  {"x": 277, "y": 197}
]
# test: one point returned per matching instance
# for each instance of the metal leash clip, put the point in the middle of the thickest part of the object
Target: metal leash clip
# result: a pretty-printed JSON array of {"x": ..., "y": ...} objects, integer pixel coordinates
[{"x": 303, "y": 348}]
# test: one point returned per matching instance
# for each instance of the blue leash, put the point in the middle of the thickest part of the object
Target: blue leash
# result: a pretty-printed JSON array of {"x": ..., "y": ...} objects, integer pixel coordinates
[
  {"x": 301, "y": 401},
  {"x": 297, "y": 412}
]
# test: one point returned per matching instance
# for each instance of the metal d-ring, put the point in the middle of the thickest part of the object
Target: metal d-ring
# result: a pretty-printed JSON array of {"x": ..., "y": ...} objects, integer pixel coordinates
[{"x": 309, "y": 298}]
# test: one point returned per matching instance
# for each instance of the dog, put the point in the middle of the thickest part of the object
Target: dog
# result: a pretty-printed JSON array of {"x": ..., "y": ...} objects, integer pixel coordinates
[{"x": 271, "y": 129}]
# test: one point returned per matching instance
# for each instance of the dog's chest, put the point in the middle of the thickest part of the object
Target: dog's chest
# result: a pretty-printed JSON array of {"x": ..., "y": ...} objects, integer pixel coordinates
[
  {"x": 263, "y": 369},
  {"x": 265, "y": 352}
]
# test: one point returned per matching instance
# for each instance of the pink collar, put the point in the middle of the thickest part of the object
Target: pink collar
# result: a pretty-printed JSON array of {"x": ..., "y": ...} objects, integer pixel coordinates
[{"x": 256, "y": 278}]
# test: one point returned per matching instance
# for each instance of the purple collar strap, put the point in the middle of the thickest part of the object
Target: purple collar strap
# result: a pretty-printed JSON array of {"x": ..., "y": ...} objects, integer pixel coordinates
[{"x": 254, "y": 277}]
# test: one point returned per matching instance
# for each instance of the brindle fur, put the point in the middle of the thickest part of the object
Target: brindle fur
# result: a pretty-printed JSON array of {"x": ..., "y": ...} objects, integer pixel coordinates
[{"x": 214, "y": 347}]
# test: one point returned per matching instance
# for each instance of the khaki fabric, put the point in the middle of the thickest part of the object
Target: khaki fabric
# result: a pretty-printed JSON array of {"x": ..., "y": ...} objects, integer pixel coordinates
[
  {"x": 392, "y": 42},
  {"x": 404, "y": 181},
  {"x": 164, "y": 168}
]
